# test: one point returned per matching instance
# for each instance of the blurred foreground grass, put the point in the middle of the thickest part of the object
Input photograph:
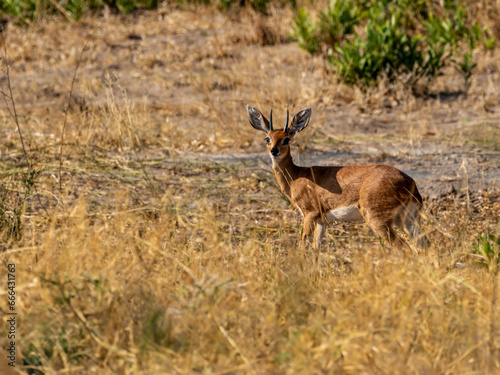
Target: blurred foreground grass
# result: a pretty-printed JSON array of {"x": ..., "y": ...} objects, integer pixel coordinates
[{"x": 195, "y": 266}]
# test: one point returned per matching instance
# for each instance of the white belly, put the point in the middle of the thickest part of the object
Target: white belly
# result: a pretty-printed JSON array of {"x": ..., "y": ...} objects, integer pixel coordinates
[{"x": 349, "y": 213}]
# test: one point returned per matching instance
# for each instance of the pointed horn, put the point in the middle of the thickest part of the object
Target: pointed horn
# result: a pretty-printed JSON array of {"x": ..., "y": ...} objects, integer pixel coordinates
[
  {"x": 287, "y": 116},
  {"x": 271, "y": 121}
]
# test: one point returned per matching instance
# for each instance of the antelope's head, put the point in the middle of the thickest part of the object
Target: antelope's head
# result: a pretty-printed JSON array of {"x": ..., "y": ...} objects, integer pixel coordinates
[{"x": 278, "y": 140}]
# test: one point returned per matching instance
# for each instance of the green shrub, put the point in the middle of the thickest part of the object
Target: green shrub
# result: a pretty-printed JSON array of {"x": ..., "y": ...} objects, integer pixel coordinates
[
  {"x": 366, "y": 41},
  {"x": 258, "y": 5},
  {"x": 339, "y": 20},
  {"x": 23, "y": 10},
  {"x": 488, "y": 249},
  {"x": 386, "y": 48},
  {"x": 305, "y": 31},
  {"x": 26, "y": 11},
  {"x": 75, "y": 8},
  {"x": 12, "y": 206}
]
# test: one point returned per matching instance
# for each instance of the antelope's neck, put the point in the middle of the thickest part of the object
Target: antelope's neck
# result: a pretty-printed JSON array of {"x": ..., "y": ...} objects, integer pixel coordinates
[{"x": 286, "y": 172}]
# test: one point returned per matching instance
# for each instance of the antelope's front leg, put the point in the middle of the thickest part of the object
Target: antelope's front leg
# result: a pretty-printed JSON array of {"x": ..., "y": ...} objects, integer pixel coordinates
[
  {"x": 311, "y": 225},
  {"x": 319, "y": 231}
]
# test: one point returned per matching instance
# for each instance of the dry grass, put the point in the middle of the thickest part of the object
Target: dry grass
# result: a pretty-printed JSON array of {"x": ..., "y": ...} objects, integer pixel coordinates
[
  {"x": 211, "y": 278},
  {"x": 165, "y": 254}
]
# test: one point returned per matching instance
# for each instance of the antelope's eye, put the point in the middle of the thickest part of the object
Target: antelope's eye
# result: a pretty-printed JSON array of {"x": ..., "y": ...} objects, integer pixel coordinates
[
  {"x": 268, "y": 140},
  {"x": 285, "y": 141}
]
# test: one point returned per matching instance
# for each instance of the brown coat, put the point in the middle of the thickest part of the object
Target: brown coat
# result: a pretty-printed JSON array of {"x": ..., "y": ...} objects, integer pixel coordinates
[{"x": 381, "y": 195}]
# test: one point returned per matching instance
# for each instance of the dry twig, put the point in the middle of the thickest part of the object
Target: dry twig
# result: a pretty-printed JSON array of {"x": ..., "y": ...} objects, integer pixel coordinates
[
  {"x": 66, "y": 114},
  {"x": 9, "y": 98}
]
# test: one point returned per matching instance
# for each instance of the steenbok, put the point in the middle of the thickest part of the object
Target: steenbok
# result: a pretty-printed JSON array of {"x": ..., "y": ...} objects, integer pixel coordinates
[{"x": 381, "y": 195}]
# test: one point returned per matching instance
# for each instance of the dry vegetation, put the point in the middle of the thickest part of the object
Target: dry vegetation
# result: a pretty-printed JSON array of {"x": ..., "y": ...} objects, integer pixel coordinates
[{"x": 170, "y": 249}]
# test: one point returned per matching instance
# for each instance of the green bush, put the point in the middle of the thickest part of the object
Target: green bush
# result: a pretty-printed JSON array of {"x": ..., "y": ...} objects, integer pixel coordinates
[
  {"x": 305, "y": 31},
  {"x": 386, "y": 48},
  {"x": 258, "y": 5},
  {"x": 339, "y": 20},
  {"x": 366, "y": 41},
  {"x": 488, "y": 249},
  {"x": 12, "y": 206},
  {"x": 26, "y": 11},
  {"x": 21, "y": 9}
]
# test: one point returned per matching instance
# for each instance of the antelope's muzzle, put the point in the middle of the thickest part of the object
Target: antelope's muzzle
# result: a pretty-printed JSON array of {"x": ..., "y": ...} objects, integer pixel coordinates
[{"x": 275, "y": 151}]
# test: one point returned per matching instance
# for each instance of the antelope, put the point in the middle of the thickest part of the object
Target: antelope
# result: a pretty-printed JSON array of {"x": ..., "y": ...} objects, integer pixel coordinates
[{"x": 382, "y": 196}]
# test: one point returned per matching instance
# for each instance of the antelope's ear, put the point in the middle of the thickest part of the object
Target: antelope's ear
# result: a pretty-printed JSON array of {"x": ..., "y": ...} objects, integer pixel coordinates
[
  {"x": 300, "y": 121},
  {"x": 257, "y": 119}
]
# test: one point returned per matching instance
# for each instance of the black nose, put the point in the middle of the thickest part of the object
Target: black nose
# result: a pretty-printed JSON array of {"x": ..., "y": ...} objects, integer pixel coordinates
[{"x": 275, "y": 151}]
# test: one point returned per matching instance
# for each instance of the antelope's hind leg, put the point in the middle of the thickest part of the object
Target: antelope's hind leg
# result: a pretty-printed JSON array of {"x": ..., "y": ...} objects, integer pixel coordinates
[
  {"x": 382, "y": 226},
  {"x": 386, "y": 231},
  {"x": 408, "y": 221}
]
